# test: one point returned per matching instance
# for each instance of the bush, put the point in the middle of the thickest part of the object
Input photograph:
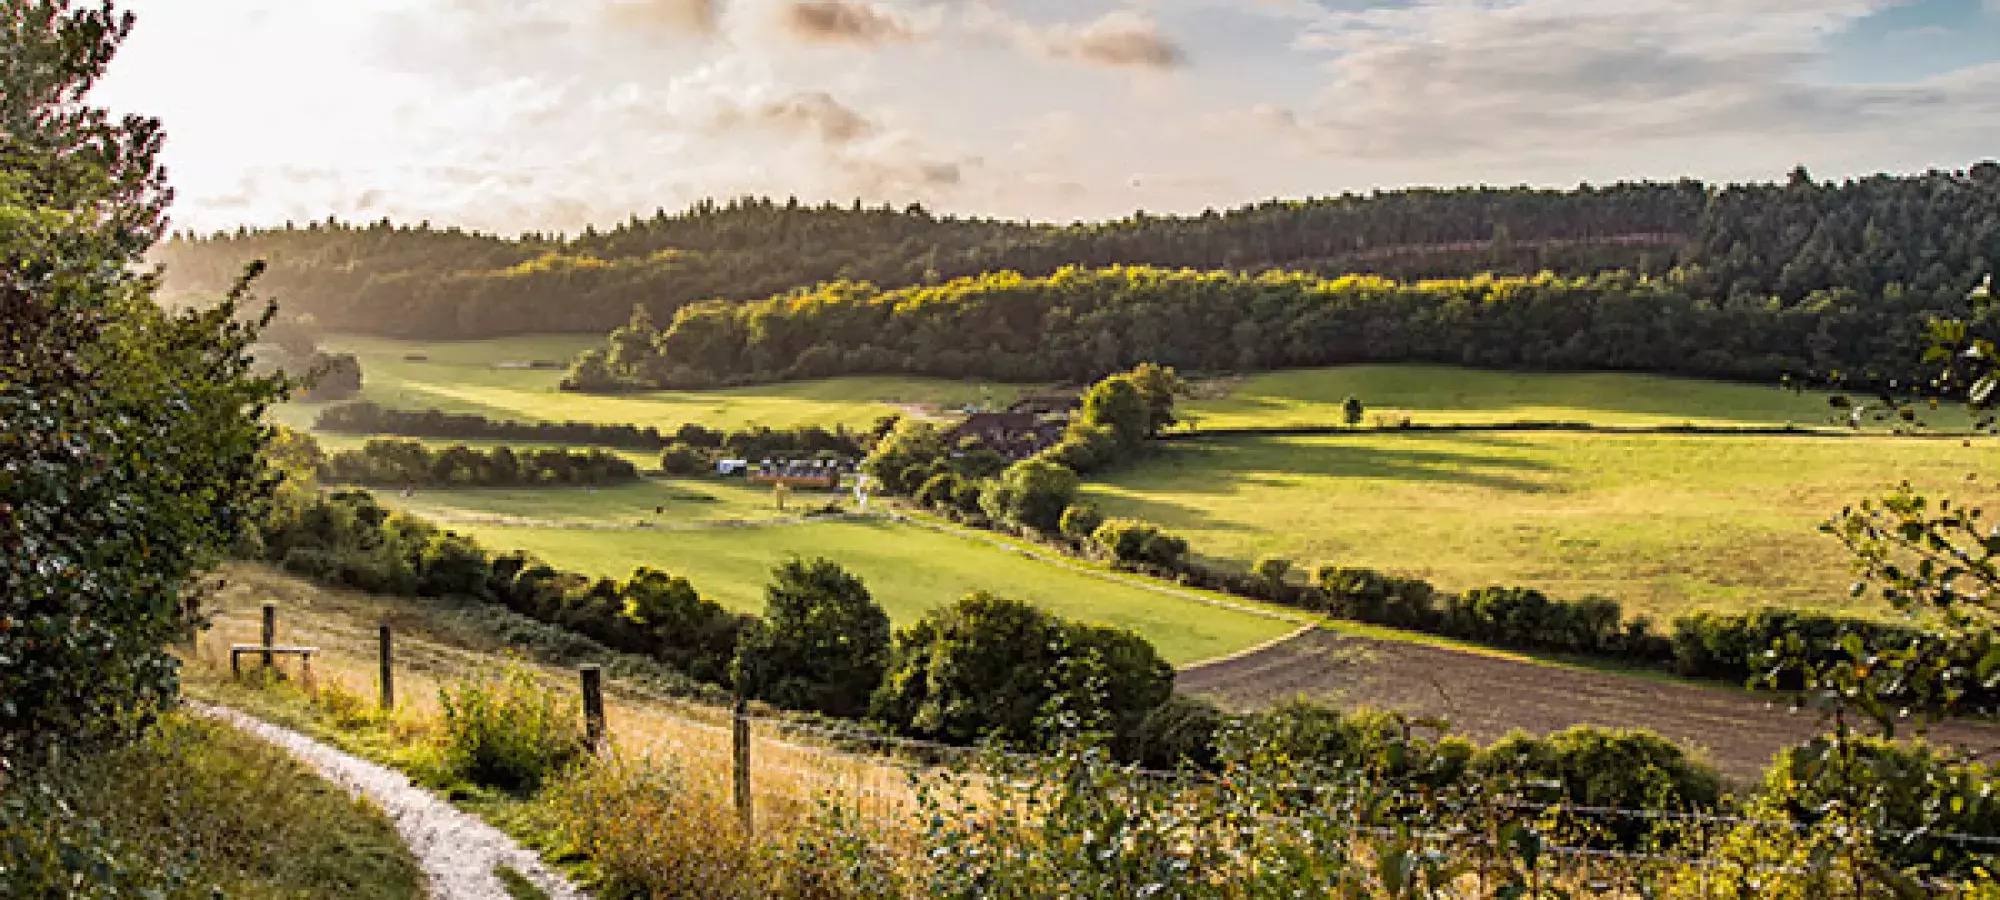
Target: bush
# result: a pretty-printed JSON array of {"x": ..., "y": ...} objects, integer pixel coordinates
[
  {"x": 1608, "y": 768},
  {"x": 1080, "y": 521},
  {"x": 512, "y": 734},
  {"x": 1900, "y": 793},
  {"x": 681, "y": 459},
  {"x": 1134, "y": 542},
  {"x": 1272, "y": 568},
  {"x": 939, "y": 491},
  {"x": 1033, "y": 493}
]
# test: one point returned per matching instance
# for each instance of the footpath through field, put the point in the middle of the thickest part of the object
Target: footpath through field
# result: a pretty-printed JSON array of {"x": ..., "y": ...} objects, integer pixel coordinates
[{"x": 458, "y": 852}]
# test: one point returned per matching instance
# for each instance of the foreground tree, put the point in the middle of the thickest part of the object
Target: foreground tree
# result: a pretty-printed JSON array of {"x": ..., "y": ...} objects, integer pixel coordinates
[
  {"x": 129, "y": 436},
  {"x": 822, "y": 645}
]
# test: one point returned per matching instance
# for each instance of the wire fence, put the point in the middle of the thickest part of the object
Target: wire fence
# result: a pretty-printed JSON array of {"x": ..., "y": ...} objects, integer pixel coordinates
[{"x": 916, "y": 758}]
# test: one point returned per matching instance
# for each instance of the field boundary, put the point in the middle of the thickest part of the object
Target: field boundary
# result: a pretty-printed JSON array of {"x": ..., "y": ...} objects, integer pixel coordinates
[
  {"x": 1306, "y": 623},
  {"x": 1560, "y": 427},
  {"x": 1247, "y": 652}
]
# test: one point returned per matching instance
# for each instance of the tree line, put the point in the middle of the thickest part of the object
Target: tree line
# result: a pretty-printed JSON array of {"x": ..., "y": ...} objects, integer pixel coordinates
[
  {"x": 684, "y": 450},
  {"x": 1783, "y": 240},
  {"x": 408, "y": 464}
]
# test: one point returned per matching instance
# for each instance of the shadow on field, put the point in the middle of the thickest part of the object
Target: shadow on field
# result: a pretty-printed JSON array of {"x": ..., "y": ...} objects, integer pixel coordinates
[{"x": 1226, "y": 466}]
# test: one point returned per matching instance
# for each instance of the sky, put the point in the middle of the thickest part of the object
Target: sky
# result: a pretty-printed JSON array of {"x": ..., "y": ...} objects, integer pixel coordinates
[{"x": 550, "y": 115}]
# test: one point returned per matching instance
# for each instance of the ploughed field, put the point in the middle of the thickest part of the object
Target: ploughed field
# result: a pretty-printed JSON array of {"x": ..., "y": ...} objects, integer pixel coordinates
[
  {"x": 494, "y": 378},
  {"x": 1485, "y": 695}
]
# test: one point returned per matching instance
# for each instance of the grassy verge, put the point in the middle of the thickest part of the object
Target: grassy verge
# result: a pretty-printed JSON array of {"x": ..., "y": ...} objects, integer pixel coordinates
[{"x": 197, "y": 810}]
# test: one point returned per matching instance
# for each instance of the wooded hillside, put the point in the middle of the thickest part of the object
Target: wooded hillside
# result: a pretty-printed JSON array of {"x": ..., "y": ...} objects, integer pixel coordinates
[{"x": 1933, "y": 233}]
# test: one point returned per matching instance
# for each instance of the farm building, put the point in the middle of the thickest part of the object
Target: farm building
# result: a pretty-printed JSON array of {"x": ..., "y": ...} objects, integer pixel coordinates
[
  {"x": 823, "y": 474},
  {"x": 1060, "y": 402},
  {"x": 1015, "y": 435}
]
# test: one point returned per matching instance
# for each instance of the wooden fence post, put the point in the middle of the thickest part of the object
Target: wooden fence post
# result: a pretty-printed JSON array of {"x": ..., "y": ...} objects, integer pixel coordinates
[
  {"x": 388, "y": 672},
  {"x": 593, "y": 705},
  {"x": 739, "y": 733},
  {"x": 270, "y": 631}
]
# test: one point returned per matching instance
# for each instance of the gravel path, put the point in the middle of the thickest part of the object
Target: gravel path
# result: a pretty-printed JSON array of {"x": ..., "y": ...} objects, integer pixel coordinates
[{"x": 458, "y": 852}]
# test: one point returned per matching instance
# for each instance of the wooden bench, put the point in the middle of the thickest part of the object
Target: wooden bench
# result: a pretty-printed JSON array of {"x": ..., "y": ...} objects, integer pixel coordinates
[{"x": 236, "y": 651}]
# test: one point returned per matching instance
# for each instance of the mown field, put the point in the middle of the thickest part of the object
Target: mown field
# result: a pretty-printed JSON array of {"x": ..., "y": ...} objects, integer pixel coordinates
[
  {"x": 465, "y": 377},
  {"x": 1663, "y": 523},
  {"x": 1443, "y": 395},
  {"x": 909, "y": 569}
]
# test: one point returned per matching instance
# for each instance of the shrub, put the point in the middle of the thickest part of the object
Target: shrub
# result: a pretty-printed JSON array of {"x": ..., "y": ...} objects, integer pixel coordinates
[
  {"x": 1134, "y": 542},
  {"x": 1900, "y": 794},
  {"x": 681, "y": 459},
  {"x": 1272, "y": 570},
  {"x": 1033, "y": 493},
  {"x": 939, "y": 491},
  {"x": 511, "y": 734},
  {"x": 1080, "y": 521},
  {"x": 1608, "y": 768},
  {"x": 1183, "y": 731}
]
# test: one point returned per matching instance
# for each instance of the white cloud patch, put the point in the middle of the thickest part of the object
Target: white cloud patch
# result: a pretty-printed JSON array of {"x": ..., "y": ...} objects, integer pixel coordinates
[
  {"x": 1124, "y": 38},
  {"x": 1452, "y": 80}
]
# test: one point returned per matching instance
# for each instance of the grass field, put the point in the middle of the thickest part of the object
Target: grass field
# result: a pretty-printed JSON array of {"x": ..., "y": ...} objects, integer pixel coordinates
[
  {"x": 461, "y": 377},
  {"x": 1443, "y": 395},
  {"x": 909, "y": 569},
  {"x": 1663, "y": 523}
]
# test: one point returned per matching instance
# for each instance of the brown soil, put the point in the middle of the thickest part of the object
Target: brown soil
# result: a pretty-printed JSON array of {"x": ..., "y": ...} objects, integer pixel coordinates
[{"x": 1484, "y": 697}]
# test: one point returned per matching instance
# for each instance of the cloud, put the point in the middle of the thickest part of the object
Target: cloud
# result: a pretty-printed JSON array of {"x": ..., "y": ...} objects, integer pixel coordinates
[
  {"x": 853, "y": 22},
  {"x": 815, "y": 113},
  {"x": 1126, "y": 39},
  {"x": 1448, "y": 79},
  {"x": 701, "y": 17}
]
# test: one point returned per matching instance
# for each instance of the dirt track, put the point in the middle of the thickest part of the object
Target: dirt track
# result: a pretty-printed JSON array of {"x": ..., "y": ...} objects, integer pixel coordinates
[{"x": 1485, "y": 697}]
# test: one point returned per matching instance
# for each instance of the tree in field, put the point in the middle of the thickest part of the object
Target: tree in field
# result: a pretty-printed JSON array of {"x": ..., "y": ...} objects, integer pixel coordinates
[
  {"x": 1159, "y": 385},
  {"x": 1118, "y": 404},
  {"x": 992, "y": 666},
  {"x": 129, "y": 436},
  {"x": 1032, "y": 492},
  {"x": 823, "y": 643},
  {"x": 1351, "y": 411}
]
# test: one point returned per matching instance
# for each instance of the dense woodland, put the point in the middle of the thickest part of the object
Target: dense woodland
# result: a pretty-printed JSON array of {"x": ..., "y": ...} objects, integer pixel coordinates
[
  {"x": 1929, "y": 232},
  {"x": 1081, "y": 323}
]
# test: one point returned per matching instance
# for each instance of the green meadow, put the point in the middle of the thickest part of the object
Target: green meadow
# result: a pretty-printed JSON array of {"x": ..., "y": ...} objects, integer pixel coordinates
[
  {"x": 1663, "y": 523},
  {"x": 473, "y": 377},
  {"x": 1443, "y": 395},
  {"x": 909, "y": 569}
]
